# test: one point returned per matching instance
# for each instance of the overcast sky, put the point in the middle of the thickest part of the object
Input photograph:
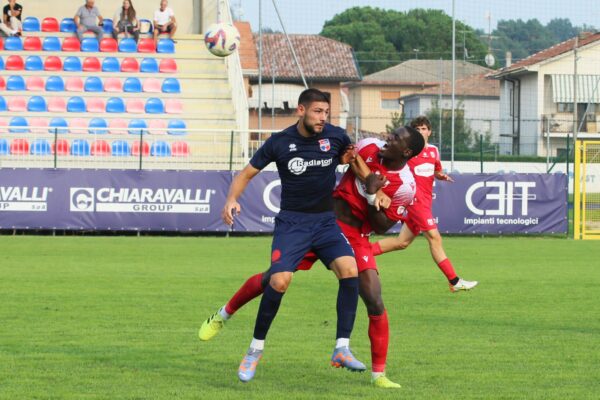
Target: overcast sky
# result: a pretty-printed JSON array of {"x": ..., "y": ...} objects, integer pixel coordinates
[{"x": 308, "y": 16}]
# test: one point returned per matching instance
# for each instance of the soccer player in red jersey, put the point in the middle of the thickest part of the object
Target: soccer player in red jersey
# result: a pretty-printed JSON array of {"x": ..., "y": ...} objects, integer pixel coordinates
[{"x": 425, "y": 167}]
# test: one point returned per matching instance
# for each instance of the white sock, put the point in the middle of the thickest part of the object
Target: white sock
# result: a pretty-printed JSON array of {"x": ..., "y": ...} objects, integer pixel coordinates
[
  {"x": 257, "y": 344},
  {"x": 376, "y": 375},
  {"x": 342, "y": 342},
  {"x": 224, "y": 313}
]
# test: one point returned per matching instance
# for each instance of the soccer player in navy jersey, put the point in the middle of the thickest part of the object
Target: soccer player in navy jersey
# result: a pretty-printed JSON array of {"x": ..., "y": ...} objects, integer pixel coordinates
[{"x": 307, "y": 155}]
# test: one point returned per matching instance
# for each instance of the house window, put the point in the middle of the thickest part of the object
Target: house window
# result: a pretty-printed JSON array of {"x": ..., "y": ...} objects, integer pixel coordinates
[
  {"x": 390, "y": 100},
  {"x": 564, "y": 107}
]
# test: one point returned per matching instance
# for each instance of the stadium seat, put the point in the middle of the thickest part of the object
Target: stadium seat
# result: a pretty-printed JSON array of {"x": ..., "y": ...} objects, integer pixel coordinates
[
  {"x": 3, "y": 125},
  {"x": 98, "y": 126},
  {"x": 2, "y": 84},
  {"x": 35, "y": 84},
  {"x": 132, "y": 85},
  {"x": 130, "y": 65},
  {"x": 3, "y": 106},
  {"x": 34, "y": 63},
  {"x": 177, "y": 127},
  {"x": 165, "y": 46},
  {"x": 67, "y": 25},
  {"x": 90, "y": 45},
  {"x": 160, "y": 149},
  {"x": 146, "y": 45},
  {"x": 167, "y": 66},
  {"x": 17, "y": 104},
  {"x": 61, "y": 148},
  {"x": 120, "y": 148},
  {"x": 171, "y": 85},
  {"x": 117, "y": 126},
  {"x": 14, "y": 63},
  {"x": 136, "y": 126},
  {"x": 173, "y": 106},
  {"x": 74, "y": 84},
  {"x": 135, "y": 148},
  {"x": 80, "y": 147},
  {"x": 37, "y": 104},
  {"x": 18, "y": 125},
  {"x": 76, "y": 105},
  {"x": 127, "y": 45},
  {"x": 31, "y": 24},
  {"x": 180, "y": 149},
  {"x": 71, "y": 44},
  {"x": 72, "y": 64},
  {"x": 93, "y": 84},
  {"x": 40, "y": 147},
  {"x": 19, "y": 147},
  {"x": 53, "y": 63},
  {"x": 115, "y": 105},
  {"x": 32, "y": 43},
  {"x": 55, "y": 84},
  {"x": 135, "y": 106},
  {"x": 152, "y": 85},
  {"x": 157, "y": 127},
  {"x": 107, "y": 26},
  {"x": 13, "y": 43},
  {"x": 149, "y": 65},
  {"x": 91, "y": 64},
  {"x": 100, "y": 148},
  {"x": 51, "y": 43},
  {"x": 15, "y": 83},
  {"x": 78, "y": 125},
  {"x": 145, "y": 26},
  {"x": 96, "y": 105},
  {"x": 109, "y": 45},
  {"x": 57, "y": 105},
  {"x": 4, "y": 148},
  {"x": 1, "y": 62},
  {"x": 58, "y": 125},
  {"x": 110, "y": 64},
  {"x": 154, "y": 105},
  {"x": 50, "y": 25},
  {"x": 38, "y": 125},
  {"x": 113, "y": 85}
]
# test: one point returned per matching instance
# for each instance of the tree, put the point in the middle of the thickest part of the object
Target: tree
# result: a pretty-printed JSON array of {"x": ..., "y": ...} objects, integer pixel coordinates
[
  {"x": 463, "y": 134},
  {"x": 396, "y": 122}
]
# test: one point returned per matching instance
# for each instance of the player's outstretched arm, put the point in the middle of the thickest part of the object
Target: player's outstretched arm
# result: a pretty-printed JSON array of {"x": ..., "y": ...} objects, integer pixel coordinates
[
  {"x": 241, "y": 180},
  {"x": 443, "y": 177}
]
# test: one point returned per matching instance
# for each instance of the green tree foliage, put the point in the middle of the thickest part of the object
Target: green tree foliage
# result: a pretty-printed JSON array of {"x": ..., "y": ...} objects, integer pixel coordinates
[
  {"x": 396, "y": 122},
  {"x": 463, "y": 134}
]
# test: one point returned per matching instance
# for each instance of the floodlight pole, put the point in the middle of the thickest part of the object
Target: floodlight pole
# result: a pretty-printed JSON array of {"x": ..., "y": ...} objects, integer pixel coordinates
[
  {"x": 260, "y": 63},
  {"x": 453, "y": 85}
]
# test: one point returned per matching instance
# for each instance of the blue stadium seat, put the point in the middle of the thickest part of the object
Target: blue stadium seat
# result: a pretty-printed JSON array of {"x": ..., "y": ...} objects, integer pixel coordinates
[
  {"x": 56, "y": 124},
  {"x": 98, "y": 126},
  {"x": 165, "y": 46},
  {"x": 34, "y": 63},
  {"x": 72, "y": 64},
  {"x": 160, "y": 149},
  {"x": 90, "y": 45},
  {"x": 80, "y": 147},
  {"x": 15, "y": 83},
  {"x": 154, "y": 105},
  {"x": 51, "y": 43},
  {"x": 115, "y": 105},
  {"x": 127, "y": 45},
  {"x": 110, "y": 64},
  {"x": 120, "y": 148},
  {"x": 67, "y": 25},
  {"x": 171, "y": 85},
  {"x": 13, "y": 43},
  {"x": 2, "y": 104},
  {"x": 1, "y": 64},
  {"x": 40, "y": 147},
  {"x": 149, "y": 65},
  {"x": 18, "y": 125},
  {"x": 137, "y": 125},
  {"x": 37, "y": 104},
  {"x": 76, "y": 104},
  {"x": 107, "y": 26},
  {"x": 93, "y": 84},
  {"x": 4, "y": 148},
  {"x": 131, "y": 85},
  {"x": 31, "y": 24},
  {"x": 177, "y": 127},
  {"x": 55, "y": 84}
]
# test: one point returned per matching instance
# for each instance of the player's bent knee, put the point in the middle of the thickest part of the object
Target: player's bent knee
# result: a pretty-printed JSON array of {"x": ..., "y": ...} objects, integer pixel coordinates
[{"x": 280, "y": 281}]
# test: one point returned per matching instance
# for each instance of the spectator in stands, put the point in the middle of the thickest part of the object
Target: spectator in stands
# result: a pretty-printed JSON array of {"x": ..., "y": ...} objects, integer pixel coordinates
[
  {"x": 11, "y": 19},
  {"x": 125, "y": 21},
  {"x": 164, "y": 20},
  {"x": 88, "y": 18}
]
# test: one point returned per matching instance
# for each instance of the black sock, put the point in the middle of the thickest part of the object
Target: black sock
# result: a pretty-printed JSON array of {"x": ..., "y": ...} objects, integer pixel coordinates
[
  {"x": 347, "y": 301},
  {"x": 454, "y": 281},
  {"x": 269, "y": 304}
]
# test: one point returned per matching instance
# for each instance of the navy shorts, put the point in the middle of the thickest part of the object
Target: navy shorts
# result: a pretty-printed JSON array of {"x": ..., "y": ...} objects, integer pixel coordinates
[{"x": 297, "y": 233}]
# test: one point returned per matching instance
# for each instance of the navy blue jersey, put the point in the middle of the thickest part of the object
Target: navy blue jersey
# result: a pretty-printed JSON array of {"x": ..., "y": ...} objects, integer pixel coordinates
[{"x": 306, "y": 166}]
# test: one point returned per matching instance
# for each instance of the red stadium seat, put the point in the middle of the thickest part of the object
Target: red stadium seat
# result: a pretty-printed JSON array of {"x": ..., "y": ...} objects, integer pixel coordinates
[
  {"x": 35, "y": 83},
  {"x": 38, "y": 125},
  {"x": 2, "y": 84},
  {"x": 96, "y": 105},
  {"x": 109, "y": 45},
  {"x": 100, "y": 148},
  {"x": 50, "y": 25},
  {"x": 180, "y": 149},
  {"x": 71, "y": 44},
  {"x": 32, "y": 43},
  {"x": 157, "y": 127},
  {"x": 130, "y": 65},
  {"x": 57, "y": 104},
  {"x": 19, "y": 147},
  {"x": 117, "y": 126},
  {"x": 52, "y": 63},
  {"x": 14, "y": 63},
  {"x": 173, "y": 106},
  {"x": 135, "y": 148},
  {"x": 17, "y": 104},
  {"x": 62, "y": 147},
  {"x": 78, "y": 125},
  {"x": 152, "y": 85},
  {"x": 113, "y": 85},
  {"x": 91, "y": 64},
  {"x": 135, "y": 106},
  {"x": 168, "y": 66},
  {"x": 74, "y": 84},
  {"x": 146, "y": 45}
]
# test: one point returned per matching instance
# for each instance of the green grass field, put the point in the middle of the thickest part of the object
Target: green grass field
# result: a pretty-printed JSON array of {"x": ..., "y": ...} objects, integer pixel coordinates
[{"x": 117, "y": 318}]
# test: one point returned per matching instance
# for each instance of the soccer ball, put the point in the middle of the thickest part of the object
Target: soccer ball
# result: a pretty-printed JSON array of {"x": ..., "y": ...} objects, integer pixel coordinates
[{"x": 222, "y": 39}]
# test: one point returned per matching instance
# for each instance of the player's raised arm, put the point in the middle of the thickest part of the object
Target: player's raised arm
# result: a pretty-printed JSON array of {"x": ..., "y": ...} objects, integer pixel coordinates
[{"x": 362, "y": 171}]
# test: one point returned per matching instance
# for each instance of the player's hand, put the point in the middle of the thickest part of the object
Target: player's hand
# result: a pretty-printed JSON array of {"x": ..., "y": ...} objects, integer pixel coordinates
[
  {"x": 382, "y": 200},
  {"x": 349, "y": 155},
  {"x": 374, "y": 182},
  {"x": 232, "y": 209},
  {"x": 445, "y": 177}
]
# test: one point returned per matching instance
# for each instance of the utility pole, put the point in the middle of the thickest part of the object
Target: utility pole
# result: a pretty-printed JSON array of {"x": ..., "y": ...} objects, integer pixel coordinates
[
  {"x": 453, "y": 86},
  {"x": 575, "y": 122}
]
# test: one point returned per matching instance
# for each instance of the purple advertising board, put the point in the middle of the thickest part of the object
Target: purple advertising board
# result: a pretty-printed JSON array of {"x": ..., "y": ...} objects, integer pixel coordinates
[{"x": 192, "y": 201}]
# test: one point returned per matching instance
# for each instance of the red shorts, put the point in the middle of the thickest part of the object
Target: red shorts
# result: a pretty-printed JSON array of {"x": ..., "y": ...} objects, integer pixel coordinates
[
  {"x": 419, "y": 219},
  {"x": 360, "y": 244}
]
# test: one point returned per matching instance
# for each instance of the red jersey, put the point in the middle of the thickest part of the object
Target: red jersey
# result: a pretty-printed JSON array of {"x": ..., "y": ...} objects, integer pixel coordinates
[
  {"x": 400, "y": 186},
  {"x": 423, "y": 167}
]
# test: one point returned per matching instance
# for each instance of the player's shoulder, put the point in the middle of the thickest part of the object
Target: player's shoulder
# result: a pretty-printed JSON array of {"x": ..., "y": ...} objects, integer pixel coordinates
[
  {"x": 363, "y": 143},
  {"x": 333, "y": 131},
  {"x": 431, "y": 147}
]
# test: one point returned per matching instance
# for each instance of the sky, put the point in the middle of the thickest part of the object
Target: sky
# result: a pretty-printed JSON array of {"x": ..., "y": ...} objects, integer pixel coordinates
[{"x": 308, "y": 16}]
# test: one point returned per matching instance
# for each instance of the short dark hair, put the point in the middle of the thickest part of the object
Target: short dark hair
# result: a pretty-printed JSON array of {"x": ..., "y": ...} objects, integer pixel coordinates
[
  {"x": 312, "y": 95},
  {"x": 419, "y": 121},
  {"x": 417, "y": 141}
]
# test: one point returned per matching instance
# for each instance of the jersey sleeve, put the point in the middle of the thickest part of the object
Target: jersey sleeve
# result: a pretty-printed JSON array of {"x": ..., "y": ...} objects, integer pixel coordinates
[
  {"x": 402, "y": 198},
  {"x": 264, "y": 155},
  {"x": 438, "y": 162},
  {"x": 345, "y": 142}
]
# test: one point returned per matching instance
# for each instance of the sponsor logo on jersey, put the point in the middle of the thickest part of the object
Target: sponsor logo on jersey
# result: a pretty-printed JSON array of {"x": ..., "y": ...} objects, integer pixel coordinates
[
  {"x": 298, "y": 165},
  {"x": 324, "y": 144},
  {"x": 366, "y": 258},
  {"x": 424, "y": 170},
  {"x": 293, "y": 147}
]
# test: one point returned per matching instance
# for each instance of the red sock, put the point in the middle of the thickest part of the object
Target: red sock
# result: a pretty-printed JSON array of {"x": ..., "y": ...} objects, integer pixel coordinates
[
  {"x": 447, "y": 269},
  {"x": 249, "y": 290},
  {"x": 379, "y": 334},
  {"x": 376, "y": 249}
]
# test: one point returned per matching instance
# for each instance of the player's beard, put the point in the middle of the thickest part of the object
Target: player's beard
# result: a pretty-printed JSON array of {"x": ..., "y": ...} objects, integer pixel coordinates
[{"x": 310, "y": 129}]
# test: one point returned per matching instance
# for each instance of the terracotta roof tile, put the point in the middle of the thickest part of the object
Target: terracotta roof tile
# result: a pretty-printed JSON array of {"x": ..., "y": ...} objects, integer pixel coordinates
[
  {"x": 248, "y": 54},
  {"x": 474, "y": 85}
]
